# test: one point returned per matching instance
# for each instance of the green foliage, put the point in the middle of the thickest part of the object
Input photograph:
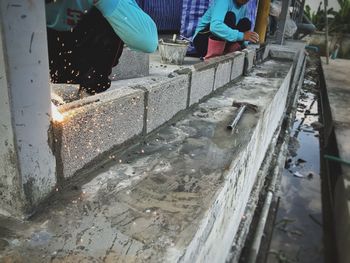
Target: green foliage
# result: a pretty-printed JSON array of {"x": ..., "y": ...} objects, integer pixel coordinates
[{"x": 339, "y": 22}]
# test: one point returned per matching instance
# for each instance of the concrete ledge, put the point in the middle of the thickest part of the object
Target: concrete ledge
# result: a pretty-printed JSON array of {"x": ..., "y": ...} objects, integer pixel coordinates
[
  {"x": 88, "y": 131},
  {"x": 215, "y": 234}
]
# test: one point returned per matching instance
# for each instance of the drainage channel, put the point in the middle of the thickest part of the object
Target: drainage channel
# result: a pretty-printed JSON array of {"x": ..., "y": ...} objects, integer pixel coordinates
[{"x": 298, "y": 229}]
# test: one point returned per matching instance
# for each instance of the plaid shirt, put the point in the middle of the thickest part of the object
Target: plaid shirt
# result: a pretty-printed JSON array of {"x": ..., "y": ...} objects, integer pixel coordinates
[
  {"x": 251, "y": 11},
  {"x": 192, "y": 11}
]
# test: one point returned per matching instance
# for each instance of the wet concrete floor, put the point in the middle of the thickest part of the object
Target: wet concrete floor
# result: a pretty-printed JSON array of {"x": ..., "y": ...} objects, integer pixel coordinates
[{"x": 298, "y": 230}]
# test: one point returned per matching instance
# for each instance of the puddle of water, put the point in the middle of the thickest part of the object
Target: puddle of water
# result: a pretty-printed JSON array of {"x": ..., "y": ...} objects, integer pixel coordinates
[{"x": 298, "y": 231}]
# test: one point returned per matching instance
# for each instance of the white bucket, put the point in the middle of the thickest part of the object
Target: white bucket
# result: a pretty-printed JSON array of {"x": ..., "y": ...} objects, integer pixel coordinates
[{"x": 172, "y": 52}]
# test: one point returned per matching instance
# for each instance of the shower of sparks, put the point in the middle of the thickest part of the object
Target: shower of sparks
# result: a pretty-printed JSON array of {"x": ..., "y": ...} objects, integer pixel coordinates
[{"x": 56, "y": 114}]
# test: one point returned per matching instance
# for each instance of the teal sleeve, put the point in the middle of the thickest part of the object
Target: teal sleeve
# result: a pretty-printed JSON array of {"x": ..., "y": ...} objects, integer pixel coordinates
[
  {"x": 131, "y": 24},
  {"x": 217, "y": 25}
]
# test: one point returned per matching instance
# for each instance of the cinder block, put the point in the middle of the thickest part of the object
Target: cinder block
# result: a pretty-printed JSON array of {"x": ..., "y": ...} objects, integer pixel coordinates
[
  {"x": 108, "y": 120},
  {"x": 237, "y": 65},
  {"x": 223, "y": 74},
  {"x": 202, "y": 84},
  {"x": 282, "y": 52},
  {"x": 64, "y": 92},
  {"x": 165, "y": 99},
  {"x": 132, "y": 64},
  {"x": 249, "y": 60}
]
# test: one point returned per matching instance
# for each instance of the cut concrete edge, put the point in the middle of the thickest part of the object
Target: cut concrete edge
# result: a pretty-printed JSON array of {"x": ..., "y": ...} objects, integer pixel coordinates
[
  {"x": 221, "y": 67},
  {"x": 91, "y": 129}
]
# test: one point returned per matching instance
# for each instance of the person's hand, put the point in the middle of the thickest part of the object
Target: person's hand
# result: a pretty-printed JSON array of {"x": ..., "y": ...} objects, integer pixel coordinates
[{"x": 251, "y": 37}]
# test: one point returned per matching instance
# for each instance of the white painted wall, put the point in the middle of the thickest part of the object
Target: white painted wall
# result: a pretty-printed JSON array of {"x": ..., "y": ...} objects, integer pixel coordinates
[
  {"x": 26, "y": 56},
  {"x": 9, "y": 174}
]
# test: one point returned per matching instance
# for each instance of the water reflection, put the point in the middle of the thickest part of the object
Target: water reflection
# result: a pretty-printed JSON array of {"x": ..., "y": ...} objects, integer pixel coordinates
[{"x": 297, "y": 235}]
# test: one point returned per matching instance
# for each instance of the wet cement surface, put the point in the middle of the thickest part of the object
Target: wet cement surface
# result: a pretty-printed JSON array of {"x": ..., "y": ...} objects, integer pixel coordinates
[
  {"x": 148, "y": 198},
  {"x": 298, "y": 230}
]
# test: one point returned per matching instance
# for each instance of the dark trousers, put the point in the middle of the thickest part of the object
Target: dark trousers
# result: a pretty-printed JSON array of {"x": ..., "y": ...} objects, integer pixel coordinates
[
  {"x": 86, "y": 54},
  {"x": 200, "y": 42}
]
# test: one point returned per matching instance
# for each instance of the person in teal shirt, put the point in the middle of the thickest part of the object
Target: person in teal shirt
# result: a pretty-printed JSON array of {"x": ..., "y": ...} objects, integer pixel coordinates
[
  {"x": 86, "y": 39},
  {"x": 223, "y": 29}
]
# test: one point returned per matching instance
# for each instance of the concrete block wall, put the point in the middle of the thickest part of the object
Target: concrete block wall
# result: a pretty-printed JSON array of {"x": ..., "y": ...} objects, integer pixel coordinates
[{"x": 96, "y": 125}]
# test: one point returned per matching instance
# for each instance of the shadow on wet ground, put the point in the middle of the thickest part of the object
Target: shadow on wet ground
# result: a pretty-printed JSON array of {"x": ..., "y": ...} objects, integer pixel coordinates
[{"x": 298, "y": 231}]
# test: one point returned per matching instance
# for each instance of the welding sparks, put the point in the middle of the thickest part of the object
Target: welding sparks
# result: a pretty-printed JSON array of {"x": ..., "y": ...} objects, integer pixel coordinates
[{"x": 56, "y": 115}]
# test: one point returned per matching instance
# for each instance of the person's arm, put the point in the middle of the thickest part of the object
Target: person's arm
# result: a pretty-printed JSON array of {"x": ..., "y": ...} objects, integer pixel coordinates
[
  {"x": 131, "y": 24},
  {"x": 217, "y": 25}
]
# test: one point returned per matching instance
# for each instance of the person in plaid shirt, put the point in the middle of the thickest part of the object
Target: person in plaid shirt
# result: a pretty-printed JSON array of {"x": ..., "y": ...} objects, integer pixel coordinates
[
  {"x": 224, "y": 28},
  {"x": 86, "y": 39}
]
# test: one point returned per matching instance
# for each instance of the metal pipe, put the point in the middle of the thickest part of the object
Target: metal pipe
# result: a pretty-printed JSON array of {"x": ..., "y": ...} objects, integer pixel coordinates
[
  {"x": 241, "y": 110},
  {"x": 253, "y": 254},
  {"x": 336, "y": 159},
  {"x": 260, "y": 229}
]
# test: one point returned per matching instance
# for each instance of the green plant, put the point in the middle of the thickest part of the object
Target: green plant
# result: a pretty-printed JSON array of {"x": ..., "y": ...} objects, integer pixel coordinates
[
  {"x": 339, "y": 21},
  {"x": 318, "y": 17}
]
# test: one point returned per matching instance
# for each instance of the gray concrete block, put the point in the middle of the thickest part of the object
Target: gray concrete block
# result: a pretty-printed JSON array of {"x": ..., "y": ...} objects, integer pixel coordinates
[
  {"x": 165, "y": 99},
  {"x": 285, "y": 52},
  {"x": 132, "y": 64},
  {"x": 249, "y": 60},
  {"x": 63, "y": 93},
  {"x": 107, "y": 120},
  {"x": 223, "y": 74},
  {"x": 237, "y": 65},
  {"x": 202, "y": 84}
]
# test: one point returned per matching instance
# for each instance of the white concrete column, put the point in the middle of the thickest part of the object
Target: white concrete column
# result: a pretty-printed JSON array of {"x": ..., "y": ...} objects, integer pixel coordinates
[{"x": 27, "y": 163}]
